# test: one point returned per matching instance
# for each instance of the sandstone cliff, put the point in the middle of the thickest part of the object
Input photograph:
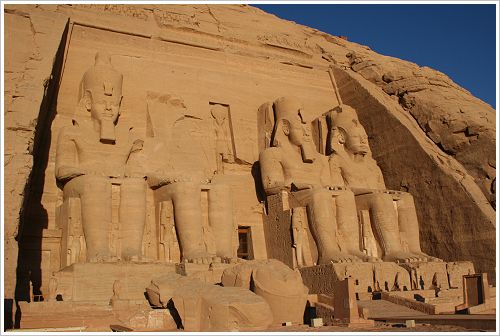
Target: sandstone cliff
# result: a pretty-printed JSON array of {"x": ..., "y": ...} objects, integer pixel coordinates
[{"x": 430, "y": 136}]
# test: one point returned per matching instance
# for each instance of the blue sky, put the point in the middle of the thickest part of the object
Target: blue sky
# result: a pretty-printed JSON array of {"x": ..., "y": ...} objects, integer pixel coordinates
[{"x": 456, "y": 39}]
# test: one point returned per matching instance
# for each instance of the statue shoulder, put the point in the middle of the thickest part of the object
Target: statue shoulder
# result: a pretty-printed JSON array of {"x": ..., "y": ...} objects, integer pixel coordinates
[
  {"x": 335, "y": 160},
  {"x": 271, "y": 153},
  {"x": 70, "y": 131},
  {"x": 323, "y": 159}
]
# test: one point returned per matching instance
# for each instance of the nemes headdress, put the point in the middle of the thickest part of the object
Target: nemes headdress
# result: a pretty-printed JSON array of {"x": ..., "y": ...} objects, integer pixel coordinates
[
  {"x": 102, "y": 78},
  {"x": 343, "y": 117},
  {"x": 286, "y": 108}
]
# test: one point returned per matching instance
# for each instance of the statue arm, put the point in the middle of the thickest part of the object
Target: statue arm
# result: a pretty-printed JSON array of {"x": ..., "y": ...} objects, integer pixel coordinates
[
  {"x": 160, "y": 178},
  {"x": 335, "y": 168},
  {"x": 133, "y": 165},
  {"x": 273, "y": 179},
  {"x": 380, "y": 178},
  {"x": 66, "y": 166},
  {"x": 326, "y": 176}
]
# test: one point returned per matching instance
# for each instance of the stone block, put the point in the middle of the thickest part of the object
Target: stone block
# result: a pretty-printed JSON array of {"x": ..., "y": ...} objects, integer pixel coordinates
[
  {"x": 316, "y": 322},
  {"x": 410, "y": 323}
]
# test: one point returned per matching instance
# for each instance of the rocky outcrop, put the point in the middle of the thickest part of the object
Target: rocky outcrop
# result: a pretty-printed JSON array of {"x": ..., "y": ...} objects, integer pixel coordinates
[{"x": 457, "y": 122}]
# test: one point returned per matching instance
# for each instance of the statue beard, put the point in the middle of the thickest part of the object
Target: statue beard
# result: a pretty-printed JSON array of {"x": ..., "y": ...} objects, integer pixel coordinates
[
  {"x": 108, "y": 131},
  {"x": 307, "y": 151}
]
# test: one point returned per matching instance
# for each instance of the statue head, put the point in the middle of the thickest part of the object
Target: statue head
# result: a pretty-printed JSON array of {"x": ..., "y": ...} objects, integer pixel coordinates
[
  {"x": 101, "y": 94},
  {"x": 347, "y": 131},
  {"x": 289, "y": 121},
  {"x": 218, "y": 111},
  {"x": 291, "y": 127}
]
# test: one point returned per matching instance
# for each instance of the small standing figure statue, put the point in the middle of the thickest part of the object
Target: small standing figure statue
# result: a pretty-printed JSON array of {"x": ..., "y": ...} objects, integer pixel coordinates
[
  {"x": 52, "y": 290},
  {"x": 222, "y": 141},
  {"x": 117, "y": 288}
]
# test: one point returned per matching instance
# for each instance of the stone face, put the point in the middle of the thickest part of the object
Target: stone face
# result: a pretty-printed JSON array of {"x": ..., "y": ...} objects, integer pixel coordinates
[{"x": 198, "y": 86}]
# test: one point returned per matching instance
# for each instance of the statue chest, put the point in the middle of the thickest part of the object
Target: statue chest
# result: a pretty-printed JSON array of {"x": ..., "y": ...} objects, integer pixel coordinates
[
  {"x": 301, "y": 172},
  {"x": 93, "y": 151},
  {"x": 360, "y": 175}
]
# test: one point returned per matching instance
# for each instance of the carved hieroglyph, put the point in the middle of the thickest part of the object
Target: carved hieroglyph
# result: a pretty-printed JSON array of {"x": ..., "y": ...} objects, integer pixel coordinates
[
  {"x": 96, "y": 164},
  {"x": 392, "y": 213}
]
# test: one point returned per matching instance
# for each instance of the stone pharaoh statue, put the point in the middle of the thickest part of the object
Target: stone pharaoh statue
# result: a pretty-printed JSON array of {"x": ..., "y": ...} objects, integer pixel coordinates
[
  {"x": 292, "y": 164},
  {"x": 350, "y": 156},
  {"x": 95, "y": 155}
]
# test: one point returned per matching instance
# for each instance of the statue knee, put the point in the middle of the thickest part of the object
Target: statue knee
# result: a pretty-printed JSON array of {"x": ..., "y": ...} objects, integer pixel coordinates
[
  {"x": 96, "y": 184},
  {"x": 134, "y": 184},
  {"x": 406, "y": 201},
  {"x": 382, "y": 201},
  {"x": 320, "y": 196}
]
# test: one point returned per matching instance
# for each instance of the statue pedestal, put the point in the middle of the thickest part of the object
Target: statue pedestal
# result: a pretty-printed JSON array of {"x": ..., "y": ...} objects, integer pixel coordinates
[
  {"x": 93, "y": 282},
  {"x": 386, "y": 276}
]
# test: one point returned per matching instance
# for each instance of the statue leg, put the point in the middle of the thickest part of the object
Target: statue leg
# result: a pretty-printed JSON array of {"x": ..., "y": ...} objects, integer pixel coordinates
[
  {"x": 384, "y": 219},
  {"x": 324, "y": 227},
  {"x": 132, "y": 217},
  {"x": 220, "y": 216},
  {"x": 95, "y": 197},
  {"x": 186, "y": 198},
  {"x": 408, "y": 223},
  {"x": 348, "y": 223}
]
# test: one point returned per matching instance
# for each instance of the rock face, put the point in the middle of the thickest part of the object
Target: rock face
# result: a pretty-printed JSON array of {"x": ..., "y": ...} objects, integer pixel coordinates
[
  {"x": 457, "y": 122},
  {"x": 430, "y": 137},
  {"x": 35, "y": 41}
]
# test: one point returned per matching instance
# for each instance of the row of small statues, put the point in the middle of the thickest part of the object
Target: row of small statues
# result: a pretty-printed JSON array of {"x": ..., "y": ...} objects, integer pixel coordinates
[{"x": 94, "y": 155}]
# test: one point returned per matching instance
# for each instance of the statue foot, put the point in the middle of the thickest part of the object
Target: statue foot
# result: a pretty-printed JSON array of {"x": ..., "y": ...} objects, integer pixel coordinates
[
  {"x": 402, "y": 257},
  {"x": 428, "y": 257},
  {"x": 228, "y": 260},
  {"x": 371, "y": 259},
  {"x": 200, "y": 258},
  {"x": 338, "y": 257},
  {"x": 364, "y": 257},
  {"x": 102, "y": 258}
]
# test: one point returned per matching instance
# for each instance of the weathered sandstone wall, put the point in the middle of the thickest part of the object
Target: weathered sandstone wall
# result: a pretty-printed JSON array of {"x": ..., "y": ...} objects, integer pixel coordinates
[
  {"x": 430, "y": 136},
  {"x": 34, "y": 42}
]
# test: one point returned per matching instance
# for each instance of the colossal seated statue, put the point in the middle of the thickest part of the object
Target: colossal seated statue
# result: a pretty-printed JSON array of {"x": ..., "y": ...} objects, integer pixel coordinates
[
  {"x": 292, "y": 165},
  {"x": 193, "y": 203},
  {"x": 96, "y": 159},
  {"x": 350, "y": 156}
]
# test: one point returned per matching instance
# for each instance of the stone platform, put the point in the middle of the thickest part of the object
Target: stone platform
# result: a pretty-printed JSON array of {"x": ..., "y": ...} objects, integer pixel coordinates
[
  {"x": 93, "y": 282},
  {"x": 61, "y": 314},
  {"x": 84, "y": 292}
]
